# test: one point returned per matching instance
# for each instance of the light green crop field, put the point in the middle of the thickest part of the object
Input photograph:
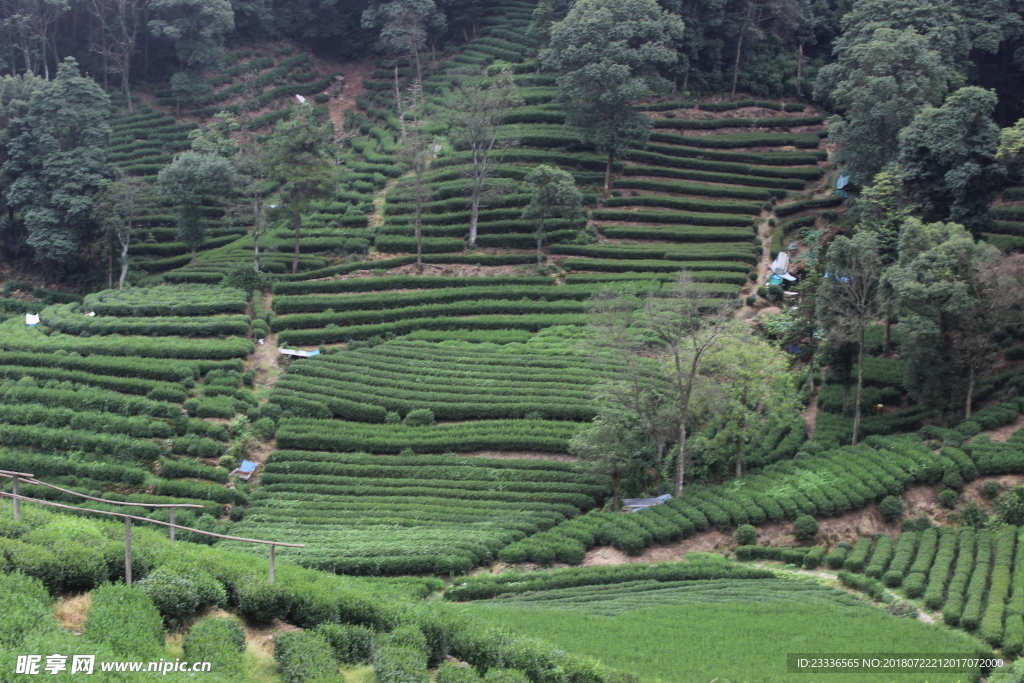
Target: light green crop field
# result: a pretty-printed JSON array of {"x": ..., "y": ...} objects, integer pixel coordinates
[{"x": 703, "y": 635}]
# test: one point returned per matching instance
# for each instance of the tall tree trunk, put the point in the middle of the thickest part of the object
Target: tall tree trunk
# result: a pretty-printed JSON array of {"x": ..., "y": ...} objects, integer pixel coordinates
[
  {"x": 124, "y": 263},
  {"x": 474, "y": 215},
  {"x": 540, "y": 240},
  {"x": 398, "y": 104},
  {"x": 970, "y": 393},
  {"x": 297, "y": 224},
  {"x": 799, "y": 69},
  {"x": 886, "y": 335},
  {"x": 739, "y": 49},
  {"x": 684, "y": 411},
  {"x": 126, "y": 87},
  {"x": 615, "y": 490},
  {"x": 256, "y": 248},
  {"x": 110, "y": 267},
  {"x": 194, "y": 255},
  {"x": 860, "y": 387},
  {"x": 608, "y": 173},
  {"x": 739, "y": 457}
]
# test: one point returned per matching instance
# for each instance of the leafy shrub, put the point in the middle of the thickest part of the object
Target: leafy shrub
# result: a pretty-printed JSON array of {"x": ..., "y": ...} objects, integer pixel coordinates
[
  {"x": 452, "y": 672},
  {"x": 421, "y": 417},
  {"x": 304, "y": 656},
  {"x": 397, "y": 664},
  {"x": 179, "y": 592},
  {"x": 871, "y": 587},
  {"x": 836, "y": 558},
  {"x": 913, "y": 585},
  {"x": 969, "y": 428},
  {"x": 858, "y": 556},
  {"x": 125, "y": 618},
  {"x": 217, "y": 640},
  {"x": 261, "y": 602},
  {"x": 891, "y": 508},
  {"x": 880, "y": 557},
  {"x": 947, "y": 498},
  {"x": 351, "y": 644},
  {"x": 814, "y": 557},
  {"x": 805, "y": 528},
  {"x": 746, "y": 534},
  {"x": 990, "y": 489}
]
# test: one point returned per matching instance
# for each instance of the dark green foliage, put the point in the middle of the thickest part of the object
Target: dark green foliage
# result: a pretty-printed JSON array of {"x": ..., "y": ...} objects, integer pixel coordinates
[
  {"x": 954, "y": 606},
  {"x": 217, "y": 640},
  {"x": 351, "y": 644},
  {"x": 261, "y": 601},
  {"x": 1009, "y": 507},
  {"x": 891, "y": 508},
  {"x": 947, "y": 498},
  {"x": 913, "y": 585},
  {"x": 180, "y": 592},
  {"x": 814, "y": 557},
  {"x": 304, "y": 656},
  {"x": 938, "y": 576},
  {"x": 880, "y": 557},
  {"x": 125, "y": 618},
  {"x": 397, "y": 664},
  {"x": 857, "y": 557},
  {"x": 745, "y": 534},
  {"x": 872, "y": 587},
  {"x": 805, "y": 528}
]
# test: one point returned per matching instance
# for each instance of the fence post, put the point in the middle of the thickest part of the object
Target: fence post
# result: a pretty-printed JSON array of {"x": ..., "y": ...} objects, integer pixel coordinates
[
  {"x": 173, "y": 510},
  {"x": 128, "y": 550},
  {"x": 17, "y": 502},
  {"x": 271, "y": 563}
]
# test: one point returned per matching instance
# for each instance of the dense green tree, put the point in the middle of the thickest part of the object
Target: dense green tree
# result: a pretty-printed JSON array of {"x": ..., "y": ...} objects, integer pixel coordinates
[
  {"x": 215, "y": 137},
  {"x": 749, "y": 384},
  {"x": 555, "y": 195},
  {"x": 55, "y": 159},
  {"x": 955, "y": 296},
  {"x": 117, "y": 206},
  {"x": 476, "y": 114},
  {"x": 186, "y": 182},
  {"x": 299, "y": 155},
  {"x": 613, "y": 445},
  {"x": 947, "y": 157},
  {"x": 848, "y": 299},
  {"x": 880, "y": 209},
  {"x": 886, "y": 81},
  {"x": 196, "y": 27},
  {"x": 405, "y": 26},
  {"x": 607, "y": 53},
  {"x": 1011, "y": 149}
]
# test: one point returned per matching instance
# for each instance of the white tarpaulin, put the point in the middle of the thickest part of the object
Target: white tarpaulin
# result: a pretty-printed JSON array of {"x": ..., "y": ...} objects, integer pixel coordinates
[
  {"x": 300, "y": 354},
  {"x": 780, "y": 267},
  {"x": 31, "y": 319}
]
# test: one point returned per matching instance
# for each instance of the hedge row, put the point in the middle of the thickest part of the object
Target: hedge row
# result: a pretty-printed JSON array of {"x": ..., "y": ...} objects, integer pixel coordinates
[
  {"x": 726, "y": 251},
  {"x": 938, "y": 575},
  {"x": 858, "y": 555},
  {"x": 761, "y": 158},
  {"x": 509, "y": 435},
  {"x": 954, "y": 606},
  {"x": 704, "y": 176},
  {"x": 63, "y": 320},
  {"x": 452, "y": 308},
  {"x": 803, "y": 140},
  {"x": 880, "y": 557},
  {"x": 796, "y": 207},
  {"x": 83, "y": 399},
  {"x": 163, "y": 391},
  {"x": 970, "y": 618},
  {"x": 653, "y": 266},
  {"x": 677, "y": 234},
  {"x": 991, "y": 626},
  {"x": 699, "y": 189},
  {"x": 1013, "y": 634},
  {"x": 375, "y": 300},
  {"x": 484, "y": 322},
  {"x": 685, "y": 204},
  {"x": 711, "y": 124},
  {"x": 115, "y": 446},
  {"x": 58, "y": 418},
  {"x": 805, "y": 173}
]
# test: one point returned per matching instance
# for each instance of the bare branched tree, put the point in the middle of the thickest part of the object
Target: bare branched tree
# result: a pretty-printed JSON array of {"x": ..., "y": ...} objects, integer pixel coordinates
[
  {"x": 120, "y": 21},
  {"x": 848, "y": 299}
]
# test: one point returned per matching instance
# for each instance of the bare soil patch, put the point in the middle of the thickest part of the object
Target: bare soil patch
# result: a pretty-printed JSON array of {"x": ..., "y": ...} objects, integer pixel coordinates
[
  {"x": 1005, "y": 432},
  {"x": 70, "y": 611}
]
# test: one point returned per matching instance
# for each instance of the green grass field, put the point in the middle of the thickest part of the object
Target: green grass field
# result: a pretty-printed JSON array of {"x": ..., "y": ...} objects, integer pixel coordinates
[{"x": 712, "y": 637}]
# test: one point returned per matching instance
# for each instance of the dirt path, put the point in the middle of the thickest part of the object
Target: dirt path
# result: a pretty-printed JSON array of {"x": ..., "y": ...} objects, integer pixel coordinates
[
  {"x": 811, "y": 415},
  {"x": 1006, "y": 431},
  {"x": 354, "y": 74}
]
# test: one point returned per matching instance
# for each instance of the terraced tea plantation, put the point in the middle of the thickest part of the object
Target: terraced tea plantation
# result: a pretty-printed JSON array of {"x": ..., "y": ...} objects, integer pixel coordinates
[{"x": 129, "y": 384}]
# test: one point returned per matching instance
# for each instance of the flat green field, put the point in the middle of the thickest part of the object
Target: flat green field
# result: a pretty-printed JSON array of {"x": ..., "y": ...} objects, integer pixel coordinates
[{"x": 742, "y": 640}]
